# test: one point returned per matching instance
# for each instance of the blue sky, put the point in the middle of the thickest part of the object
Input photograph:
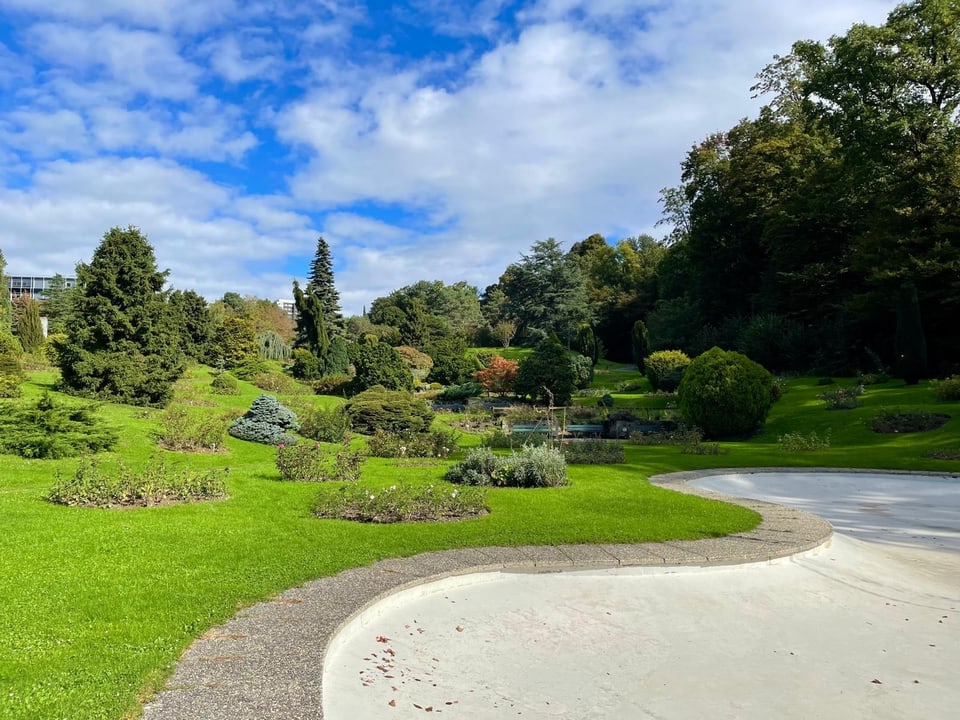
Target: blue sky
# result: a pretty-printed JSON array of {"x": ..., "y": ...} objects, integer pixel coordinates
[{"x": 423, "y": 140}]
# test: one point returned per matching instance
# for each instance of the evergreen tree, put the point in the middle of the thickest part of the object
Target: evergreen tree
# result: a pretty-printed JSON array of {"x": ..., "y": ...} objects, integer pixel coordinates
[
  {"x": 194, "y": 322},
  {"x": 123, "y": 343},
  {"x": 321, "y": 278},
  {"x": 546, "y": 374},
  {"x": 56, "y": 304},
  {"x": 312, "y": 332},
  {"x": 640, "y": 342},
  {"x": 6, "y": 309},
  {"x": 911, "y": 343},
  {"x": 29, "y": 326}
]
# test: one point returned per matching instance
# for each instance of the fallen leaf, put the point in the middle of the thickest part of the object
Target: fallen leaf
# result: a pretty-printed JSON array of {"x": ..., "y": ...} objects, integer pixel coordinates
[
  {"x": 876, "y": 682},
  {"x": 459, "y": 629},
  {"x": 392, "y": 703}
]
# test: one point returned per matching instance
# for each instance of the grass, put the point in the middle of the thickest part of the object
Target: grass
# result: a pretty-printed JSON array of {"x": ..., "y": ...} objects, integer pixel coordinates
[{"x": 97, "y": 605}]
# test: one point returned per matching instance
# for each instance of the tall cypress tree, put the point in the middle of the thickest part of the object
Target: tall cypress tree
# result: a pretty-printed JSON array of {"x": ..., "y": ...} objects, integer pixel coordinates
[
  {"x": 6, "y": 309},
  {"x": 321, "y": 280},
  {"x": 123, "y": 341},
  {"x": 30, "y": 327},
  {"x": 911, "y": 342}
]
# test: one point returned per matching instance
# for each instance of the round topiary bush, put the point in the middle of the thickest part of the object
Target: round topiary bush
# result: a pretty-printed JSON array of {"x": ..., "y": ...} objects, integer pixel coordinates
[
  {"x": 665, "y": 368},
  {"x": 725, "y": 393}
]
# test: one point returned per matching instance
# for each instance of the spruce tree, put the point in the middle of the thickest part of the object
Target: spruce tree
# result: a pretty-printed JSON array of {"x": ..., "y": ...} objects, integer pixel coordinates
[
  {"x": 123, "y": 342},
  {"x": 56, "y": 304},
  {"x": 29, "y": 326},
  {"x": 321, "y": 279}
]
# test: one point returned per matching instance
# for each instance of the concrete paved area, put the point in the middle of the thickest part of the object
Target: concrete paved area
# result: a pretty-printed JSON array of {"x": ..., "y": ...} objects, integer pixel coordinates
[{"x": 703, "y": 638}]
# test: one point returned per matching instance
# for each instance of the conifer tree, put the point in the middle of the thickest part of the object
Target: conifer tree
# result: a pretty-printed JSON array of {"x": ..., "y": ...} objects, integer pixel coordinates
[
  {"x": 6, "y": 309},
  {"x": 123, "y": 342},
  {"x": 321, "y": 279},
  {"x": 29, "y": 326}
]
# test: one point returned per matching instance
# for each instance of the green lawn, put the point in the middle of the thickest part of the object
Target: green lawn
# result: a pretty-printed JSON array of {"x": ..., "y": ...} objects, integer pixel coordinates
[{"x": 97, "y": 605}]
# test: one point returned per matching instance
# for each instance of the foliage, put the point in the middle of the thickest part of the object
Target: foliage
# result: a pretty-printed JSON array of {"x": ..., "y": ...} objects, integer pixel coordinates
[
  {"x": 499, "y": 376},
  {"x": 235, "y": 343},
  {"x": 11, "y": 368},
  {"x": 324, "y": 424},
  {"x": 725, "y": 393},
  {"x": 948, "y": 389},
  {"x": 843, "y": 398},
  {"x": 401, "y": 502},
  {"x": 419, "y": 363},
  {"x": 460, "y": 393},
  {"x": 57, "y": 304},
  {"x": 665, "y": 369},
  {"x": 773, "y": 341},
  {"x": 426, "y": 312},
  {"x": 266, "y": 422},
  {"x": 450, "y": 364},
  {"x": 332, "y": 384},
  {"x": 436, "y": 444},
  {"x": 275, "y": 382},
  {"x": 29, "y": 327},
  {"x": 224, "y": 383},
  {"x": 582, "y": 368},
  {"x": 681, "y": 435},
  {"x": 123, "y": 343},
  {"x": 640, "y": 344},
  {"x": 306, "y": 365},
  {"x": 509, "y": 440},
  {"x": 504, "y": 332},
  {"x": 313, "y": 333},
  {"x": 272, "y": 346},
  {"x": 799, "y": 442},
  {"x": 153, "y": 485},
  {"x": 898, "y": 420},
  {"x": 593, "y": 452},
  {"x": 546, "y": 375},
  {"x": 314, "y": 463},
  {"x": 321, "y": 283},
  {"x": 533, "y": 466},
  {"x": 6, "y": 309},
  {"x": 377, "y": 363},
  {"x": 48, "y": 429},
  {"x": 185, "y": 431},
  {"x": 379, "y": 408},
  {"x": 586, "y": 343},
  {"x": 911, "y": 343},
  {"x": 194, "y": 323}
]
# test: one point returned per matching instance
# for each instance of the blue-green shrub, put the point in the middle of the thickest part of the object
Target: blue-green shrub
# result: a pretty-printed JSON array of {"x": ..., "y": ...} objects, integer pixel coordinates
[{"x": 266, "y": 422}]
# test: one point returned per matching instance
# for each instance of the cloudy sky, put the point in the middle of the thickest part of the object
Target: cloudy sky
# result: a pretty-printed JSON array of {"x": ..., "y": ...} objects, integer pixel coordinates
[{"x": 424, "y": 139}]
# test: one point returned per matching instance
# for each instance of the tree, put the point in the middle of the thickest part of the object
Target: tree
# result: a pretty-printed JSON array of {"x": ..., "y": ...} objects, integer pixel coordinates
[
  {"x": 911, "y": 343},
  {"x": 640, "y": 342},
  {"x": 503, "y": 332},
  {"x": 546, "y": 375},
  {"x": 6, "y": 311},
  {"x": 312, "y": 332},
  {"x": 321, "y": 280},
  {"x": 499, "y": 376},
  {"x": 29, "y": 326},
  {"x": 57, "y": 303},
  {"x": 377, "y": 363},
  {"x": 194, "y": 322},
  {"x": 123, "y": 343},
  {"x": 235, "y": 343}
]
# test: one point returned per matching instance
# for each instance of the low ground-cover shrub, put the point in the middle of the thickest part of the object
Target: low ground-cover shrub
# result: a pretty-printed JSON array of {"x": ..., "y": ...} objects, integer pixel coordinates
[
  {"x": 540, "y": 466},
  {"x": 395, "y": 411},
  {"x": 437, "y": 444},
  {"x": 898, "y": 420},
  {"x": 401, "y": 502},
  {"x": 185, "y": 431},
  {"x": 155, "y": 484},
  {"x": 948, "y": 389},
  {"x": 324, "y": 424},
  {"x": 798, "y": 442},
  {"x": 592, "y": 452},
  {"x": 266, "y": 422},
  {"x": 843, "y": 398},
  {"x": 308, "y": 462},
  {"x": 460, "y": 393},
  {"x": 224, "y": 384},
  {"x": 50, "y": 429}
]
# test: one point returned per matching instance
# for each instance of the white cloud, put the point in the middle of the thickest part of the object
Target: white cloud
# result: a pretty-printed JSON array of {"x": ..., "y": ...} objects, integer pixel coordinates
[
  {"x": 163, "y": 14},
  {"x": 235, "y": 61}
]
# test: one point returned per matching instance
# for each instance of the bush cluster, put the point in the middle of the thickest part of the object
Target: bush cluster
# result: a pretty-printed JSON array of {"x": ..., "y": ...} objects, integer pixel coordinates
[
  {"x": 460, "y": 393},
  {"x": 47, "y": 429},
  {"x": 843, "y": 398},
  {"x": 332, "y": 385},
  {"x": 153, "y": 485},
  {"x": 401, "y": 503},
  {"x": 593, "y": 452},
  {"x": 725, "y": 393},
  {"x": 665, "y": 368},
  {"x": 540, "y": 466},
  {"x": 508, "y": 441},
  {"x": 281, "y": 384},
  {"x": 266, "y": 422},
  {"x": 798, "y": 442},
  {"x": 308, "y": 462},
  {"x": 393, "y": 411},
  {"x": 11, "y": 367},
  {"x": 324, "y": 424},
  {"x": 948, "y": 389},
  {"x": 437, "y": 444},
  {"x": 224, "y": 384},
  {"x": 897, "y": 420},
  {"x": 183, "y": 431}
]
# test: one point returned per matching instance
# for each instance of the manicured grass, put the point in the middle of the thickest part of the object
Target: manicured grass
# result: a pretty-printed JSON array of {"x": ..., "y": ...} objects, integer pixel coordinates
[{"x": 97, "y": 605}]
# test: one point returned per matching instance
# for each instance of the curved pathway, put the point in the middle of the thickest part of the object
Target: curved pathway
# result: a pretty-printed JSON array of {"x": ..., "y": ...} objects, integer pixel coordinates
[{"x": 267, "y": 663}]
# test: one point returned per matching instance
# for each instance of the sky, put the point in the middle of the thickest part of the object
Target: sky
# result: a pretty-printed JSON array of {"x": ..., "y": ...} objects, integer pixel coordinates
[{"x": 424, "y": 140}]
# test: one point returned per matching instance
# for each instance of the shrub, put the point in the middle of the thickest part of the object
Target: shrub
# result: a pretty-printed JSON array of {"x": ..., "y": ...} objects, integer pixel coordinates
[
  {"x": 184, "y": 431},
  {"x": 450, "y": 365},
  {"x": 251, "y": 368},
  {"x": 390, "y": 410},
  {"x": 435, "y": 444},
  {"x": 47, "y": 429},
  {"x": 306, "y": 365},
  {"x": 11, "y": 376},
  {"x": 725, "y": 393},
  {"x": 9, "y": 345},
  {"x": 582, "y": 368},
  {"x": 280, "y": 383},
  {"x": 681, "y": 435},
  {"x": 332, "y": 385},
  {"x": 546, "y": 375},
  {"x": 665, "y": 368},
  {"x": 265, "y": 422},
  {"x": 154, "y": 485},
  {"x": 324, "y": 424},
  {"x": 502, "y": 440},
  {"x": 401, "y": 503},
  {"x": 377, "y": 363},
  {"x": 948, "y": 389},
  {"x": 798, "y": 442},
  {"x": 540, "y": 466},
  {"x": 459, "y": 393},
  {"x": 897, "y": 420},
  {"x": 499, "y": 376},
  {"x": 843, "y": 398},
  {"x": 419, "y": 363},
  {"x": 314, "y": 463},
  {"x": 224, "y": 384},
  {"x": 593, "y": 452}
]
